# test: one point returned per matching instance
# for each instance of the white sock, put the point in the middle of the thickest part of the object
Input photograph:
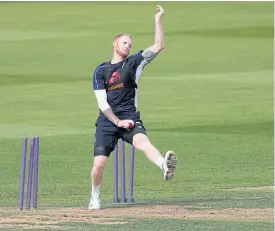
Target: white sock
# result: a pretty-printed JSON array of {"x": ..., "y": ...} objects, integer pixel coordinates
[
  {"x": 95, "y": 191},
  {"x": 159, "y": 161}
]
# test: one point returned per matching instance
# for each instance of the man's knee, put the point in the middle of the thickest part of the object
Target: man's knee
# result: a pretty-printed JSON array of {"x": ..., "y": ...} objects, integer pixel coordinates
[
  {"x": 100, "y": 163},
  {"x": 97, "y": 168}
]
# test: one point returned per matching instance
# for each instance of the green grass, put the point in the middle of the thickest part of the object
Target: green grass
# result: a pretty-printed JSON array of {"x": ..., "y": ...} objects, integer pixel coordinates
[
  {"x": 160, "y": 224},
  {"x": 208, "y": 96}
]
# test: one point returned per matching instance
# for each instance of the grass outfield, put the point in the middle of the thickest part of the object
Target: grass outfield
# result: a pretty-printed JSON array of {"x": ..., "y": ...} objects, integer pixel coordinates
[{"x": 208, "y": 97}]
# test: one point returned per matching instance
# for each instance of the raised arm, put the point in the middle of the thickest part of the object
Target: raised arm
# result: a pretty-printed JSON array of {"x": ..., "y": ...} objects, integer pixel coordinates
[{"x": 151, "y": 52}]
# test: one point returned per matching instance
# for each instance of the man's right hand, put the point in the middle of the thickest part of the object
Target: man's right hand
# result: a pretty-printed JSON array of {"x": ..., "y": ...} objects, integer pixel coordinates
[
  {"x": 125, "y": 124},
  {"x": 159, "y": 14}
]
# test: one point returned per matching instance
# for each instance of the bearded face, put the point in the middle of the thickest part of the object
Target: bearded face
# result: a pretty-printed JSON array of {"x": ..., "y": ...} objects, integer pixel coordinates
[{"x": 122, "y": 45}]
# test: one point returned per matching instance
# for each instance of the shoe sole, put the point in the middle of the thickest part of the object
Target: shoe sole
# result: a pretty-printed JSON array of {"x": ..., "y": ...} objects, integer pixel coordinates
[{"x": 171, "y": 161}]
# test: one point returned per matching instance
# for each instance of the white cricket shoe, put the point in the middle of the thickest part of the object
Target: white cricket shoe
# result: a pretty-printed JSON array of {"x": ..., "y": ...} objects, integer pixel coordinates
[
  {"x": 169, "y": 165},
  {"x": 94, "y": 203}
]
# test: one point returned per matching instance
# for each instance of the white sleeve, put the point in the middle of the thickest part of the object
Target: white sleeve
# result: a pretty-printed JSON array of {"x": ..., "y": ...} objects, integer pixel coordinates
[{"x": 101, "y": 97}]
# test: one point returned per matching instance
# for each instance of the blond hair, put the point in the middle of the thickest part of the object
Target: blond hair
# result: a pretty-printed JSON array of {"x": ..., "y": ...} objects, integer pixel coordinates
[{"x": 120, "y": 35}]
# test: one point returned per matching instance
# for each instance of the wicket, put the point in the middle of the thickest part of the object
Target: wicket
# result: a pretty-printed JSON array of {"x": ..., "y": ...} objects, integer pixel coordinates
[
  {"x": 123, "y": 198},
  {"x": 32, "y": 173}
]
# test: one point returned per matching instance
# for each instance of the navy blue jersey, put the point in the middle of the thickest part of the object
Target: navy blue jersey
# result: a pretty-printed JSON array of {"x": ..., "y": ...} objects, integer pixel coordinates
[{"x": 120, "y": 82}]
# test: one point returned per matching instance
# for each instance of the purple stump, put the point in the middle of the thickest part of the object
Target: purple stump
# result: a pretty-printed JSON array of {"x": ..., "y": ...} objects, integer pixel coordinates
[
  {"x": 35, "y": 177},
  {"x": 116, "y": 198},
  {"x": 29, "y": 189},
  {"x": 23, "y": 168},
  {"x": 131, "y": 181},
  {"x": 122, "y": 165}
]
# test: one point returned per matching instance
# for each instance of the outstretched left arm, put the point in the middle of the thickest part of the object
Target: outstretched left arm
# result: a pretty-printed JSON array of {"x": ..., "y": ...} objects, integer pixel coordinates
[{"x": 151, "y": 52}]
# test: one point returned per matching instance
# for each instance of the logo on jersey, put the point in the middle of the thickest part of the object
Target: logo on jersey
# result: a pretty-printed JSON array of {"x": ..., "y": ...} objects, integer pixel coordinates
[
  {"x": 114, "y": 77},
  {"x": 120, "y": 85}
]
